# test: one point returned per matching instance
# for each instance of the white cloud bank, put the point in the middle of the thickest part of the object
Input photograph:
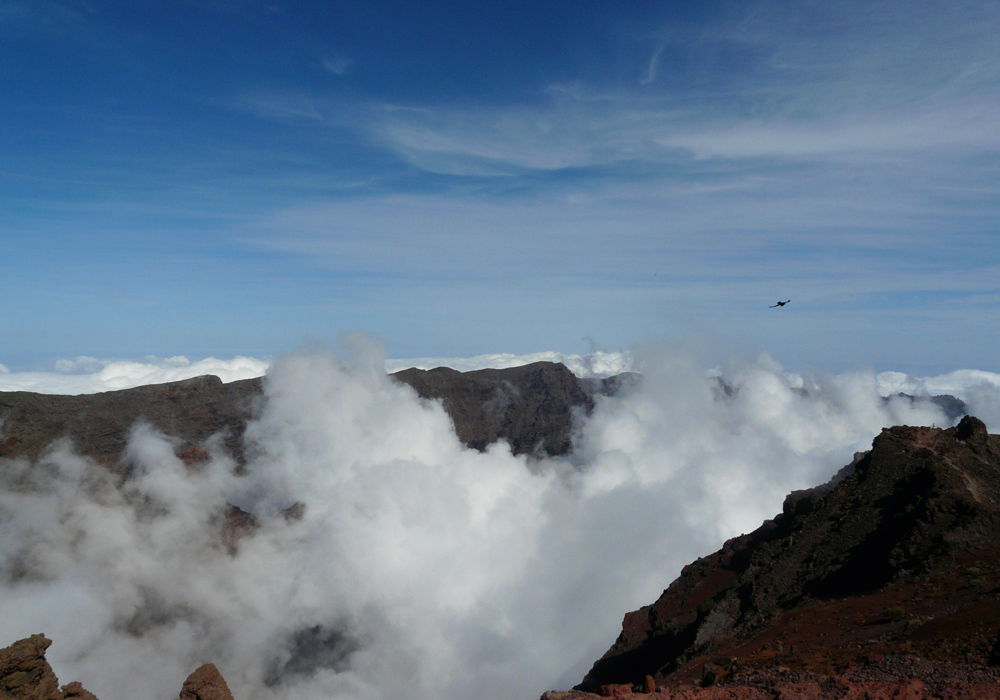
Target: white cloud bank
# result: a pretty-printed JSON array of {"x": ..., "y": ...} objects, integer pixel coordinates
[
  {"x": 88, "y": 375},
  {"x": 419, "y": 568},
  {"x": 595, "y": 364}
]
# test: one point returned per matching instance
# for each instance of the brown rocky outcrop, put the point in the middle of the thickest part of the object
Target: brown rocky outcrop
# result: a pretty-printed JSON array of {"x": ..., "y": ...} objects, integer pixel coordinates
[
  {"x": 26, "y": 675},
  {"x": 897, "y": 558},
  {"x": 206, "y": 683}
]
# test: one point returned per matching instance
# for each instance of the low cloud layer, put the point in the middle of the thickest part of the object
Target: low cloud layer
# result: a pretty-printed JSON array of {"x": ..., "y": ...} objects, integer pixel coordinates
[
  {"x": 595, "y": 364},
  {"x": 89, "y": 375},
  {"x": 412, "y": 566}
]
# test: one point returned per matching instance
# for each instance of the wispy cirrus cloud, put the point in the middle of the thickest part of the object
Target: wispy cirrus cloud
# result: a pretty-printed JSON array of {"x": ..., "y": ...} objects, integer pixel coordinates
[
  {"x": 812, "y": 83},
  {"x": 653, "y": 69},
  {"x": 338, "y": 66}
]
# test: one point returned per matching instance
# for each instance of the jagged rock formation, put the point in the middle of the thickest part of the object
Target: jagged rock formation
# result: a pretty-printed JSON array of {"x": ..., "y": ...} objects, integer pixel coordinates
[
  {"x": 898, "y": 557},
  {"x": 206, "y": 683},
  {"x": 26, "y": 675},
  {"x": 531, "y": 407}
]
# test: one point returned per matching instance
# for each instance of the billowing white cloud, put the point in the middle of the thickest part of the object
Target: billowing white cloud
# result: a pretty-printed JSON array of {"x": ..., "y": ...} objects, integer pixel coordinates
[
  {"x": 956, "y": 383},
  {"x": 980, "y": 390},
  {"x": 418, "y": 567}
]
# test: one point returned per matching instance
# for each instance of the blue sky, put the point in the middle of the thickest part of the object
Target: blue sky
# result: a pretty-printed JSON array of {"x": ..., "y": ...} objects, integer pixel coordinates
[{"x": 241, "y": 176}]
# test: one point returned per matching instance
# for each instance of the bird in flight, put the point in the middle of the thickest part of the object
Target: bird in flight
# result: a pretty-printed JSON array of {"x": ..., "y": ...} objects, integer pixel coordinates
[{"x": 780, "y": 303}]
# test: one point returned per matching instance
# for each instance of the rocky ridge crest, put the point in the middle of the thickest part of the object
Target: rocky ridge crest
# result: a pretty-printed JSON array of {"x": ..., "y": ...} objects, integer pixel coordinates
[
  {"x": 531, "y": 407},
  {"x": 897, "y": 559}
]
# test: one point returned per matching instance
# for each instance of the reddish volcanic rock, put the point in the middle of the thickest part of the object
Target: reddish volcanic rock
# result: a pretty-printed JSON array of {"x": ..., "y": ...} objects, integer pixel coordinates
[
  {"x": 613, "y": 690},
  {"x": 24, "y": 672},
  {"x": 206, "y": 683},
  {"x": 900, "y": 556},
  {"x": 26, "y": 675},
  {"x": 929, "y": 681},
  {"x": 76, "y": 691}
]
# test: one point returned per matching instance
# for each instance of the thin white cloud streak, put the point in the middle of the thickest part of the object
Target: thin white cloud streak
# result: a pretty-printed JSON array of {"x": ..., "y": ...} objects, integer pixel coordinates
[
  {"x": 613, "y": 131},
  {"x": 847, "y": 82},
  {"x": 405, "y": 545},
  {"x": 337, "y": 66},
  {"x": 506, "y": 141},
  {"x": 873, "y": 135},
  {"x": 757, "y": 234},
  {"x": 653, "y": 69}
]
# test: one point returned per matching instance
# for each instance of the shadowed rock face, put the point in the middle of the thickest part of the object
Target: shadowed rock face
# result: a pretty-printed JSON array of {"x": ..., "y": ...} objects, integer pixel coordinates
[
  {"x": 906, "y": 543},
  {"x": 191, "y": 411},
  {"x": 531, "y": 407}
]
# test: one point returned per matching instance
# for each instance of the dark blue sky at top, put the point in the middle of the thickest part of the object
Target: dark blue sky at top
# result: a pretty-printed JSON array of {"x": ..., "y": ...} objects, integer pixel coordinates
[
  {"x": 238, "y": 177},
  {"x": 137, "y": 80}
]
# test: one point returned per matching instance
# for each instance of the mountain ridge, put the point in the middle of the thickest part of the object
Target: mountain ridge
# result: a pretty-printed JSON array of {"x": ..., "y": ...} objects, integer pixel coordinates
[
  {"x": 531, "y": 407},
  {"x": 858, "y": 569}
]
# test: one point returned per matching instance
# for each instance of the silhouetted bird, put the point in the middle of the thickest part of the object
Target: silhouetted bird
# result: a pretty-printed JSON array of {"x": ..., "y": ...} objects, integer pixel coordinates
[{"x": 780, "y": 303}]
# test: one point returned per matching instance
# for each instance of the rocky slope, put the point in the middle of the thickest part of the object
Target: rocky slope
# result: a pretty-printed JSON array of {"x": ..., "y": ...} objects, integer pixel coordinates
[
  {"x": 883, "y": 583},
  {"x": 896, "y": 561},
  {"x": 531, "y": 407}
]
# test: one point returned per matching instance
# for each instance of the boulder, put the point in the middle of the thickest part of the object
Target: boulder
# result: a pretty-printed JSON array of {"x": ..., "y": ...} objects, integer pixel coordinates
[
  {"x": 26, "y": 675},
  {"x": 206, "y": 683}
]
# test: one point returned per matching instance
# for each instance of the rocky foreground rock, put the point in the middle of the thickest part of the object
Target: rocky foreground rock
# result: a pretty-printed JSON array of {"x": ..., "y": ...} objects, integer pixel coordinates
[
  {"x": 26, "y": 675},
  {"x": 882, "y": 584}
]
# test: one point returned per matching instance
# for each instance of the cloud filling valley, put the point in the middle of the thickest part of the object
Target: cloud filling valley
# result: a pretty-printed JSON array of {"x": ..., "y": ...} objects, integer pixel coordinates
[{"x": 387, "y": 558}]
